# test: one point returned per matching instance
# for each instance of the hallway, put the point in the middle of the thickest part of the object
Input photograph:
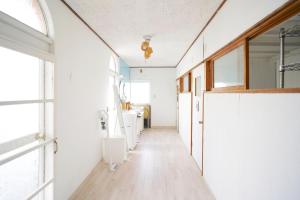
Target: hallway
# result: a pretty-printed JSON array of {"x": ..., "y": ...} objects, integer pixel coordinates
[{"x": 160, "y": 168}]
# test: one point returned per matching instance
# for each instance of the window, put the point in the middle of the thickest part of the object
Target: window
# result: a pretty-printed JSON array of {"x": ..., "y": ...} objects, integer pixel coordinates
[
  {"x": 185, "y": 82},
  {"x": 113, "y": 80},
  {"x": 229, "y": 69},
  {"x": 140, "y": 92},
  {"x": 198, "y": 87},
  {"x": 28, "y": 12},
  {"x": 26, "y": 102},
  {"x": 265, "y": 56}
]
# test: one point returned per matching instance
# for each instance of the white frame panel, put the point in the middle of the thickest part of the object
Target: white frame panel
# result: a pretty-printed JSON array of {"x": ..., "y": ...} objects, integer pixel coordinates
[{"x": 20, "y": 37}]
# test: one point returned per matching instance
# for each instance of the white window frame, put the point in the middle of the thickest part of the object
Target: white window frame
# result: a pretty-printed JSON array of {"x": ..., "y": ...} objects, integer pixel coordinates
[{"x": 20, "y": 37}]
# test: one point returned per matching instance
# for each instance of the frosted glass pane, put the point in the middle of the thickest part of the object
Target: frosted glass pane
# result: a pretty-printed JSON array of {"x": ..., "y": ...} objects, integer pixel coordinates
[
  {"x": 18, "y": 120},
  {"x": 19, "y": 76},
  {"x": 26, "y": 11},
  {"x": 186, "y": 83},
  {"x": 19, "y": 177},
  {"x": 49, "y": 117},
  {"x": 49, "y": 80},
  {"x": 140, "y": 92},
  {"x": 229, "y": 69}
]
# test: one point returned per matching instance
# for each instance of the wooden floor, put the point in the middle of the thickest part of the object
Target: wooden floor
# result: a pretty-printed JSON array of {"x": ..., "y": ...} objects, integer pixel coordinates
[{"x": 159, "y": 169}]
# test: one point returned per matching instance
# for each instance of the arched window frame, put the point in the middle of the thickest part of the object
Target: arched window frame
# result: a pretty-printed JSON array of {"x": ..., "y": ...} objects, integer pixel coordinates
[{"x": 20, "y": 37}]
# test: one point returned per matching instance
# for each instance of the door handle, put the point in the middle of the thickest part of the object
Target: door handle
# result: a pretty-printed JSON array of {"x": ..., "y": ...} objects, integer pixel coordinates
[
  {"x": 55, "y": 146},
  {"x": 200, "y": 122}
]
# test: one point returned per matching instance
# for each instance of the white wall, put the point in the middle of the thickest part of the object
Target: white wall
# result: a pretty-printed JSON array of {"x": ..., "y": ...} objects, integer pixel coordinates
[
  {"x": 233, "y": 19},
  {"x": 81, "y": 78},
  {"x": 185, "y": 118},
  {"x": 252, "y": 146},
  {"x": 163, "y": 93},
  {"x": 250, "y": 140}
]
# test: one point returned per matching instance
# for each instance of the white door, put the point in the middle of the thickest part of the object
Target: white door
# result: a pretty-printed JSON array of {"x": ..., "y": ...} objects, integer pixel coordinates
[{"x": 197, "y": 129}]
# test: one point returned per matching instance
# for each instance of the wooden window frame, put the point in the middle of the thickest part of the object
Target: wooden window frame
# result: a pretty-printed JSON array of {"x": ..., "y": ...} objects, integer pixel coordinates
[
  {"x": 225, "y": 51},
  {"x": 181, "y": 82},
  {"x": 288, "y": 10}
]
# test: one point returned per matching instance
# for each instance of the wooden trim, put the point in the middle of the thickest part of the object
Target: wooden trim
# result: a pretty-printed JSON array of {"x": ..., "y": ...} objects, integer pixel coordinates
[
  {"x": 223, "y": 52},
  {"x": 226, "y": 49},
  {"x": 89, "y": 27},
  {"x": 205, "y": 26},
  {"x": 251, "y": 91},
  {"x": 203, "y": 121},
  {"x": 154, "y": 67},
  {"x": 208, "y": 75},
  {"x": 190, "y": 81},
  {"x": 181, "y": 85},
  {"x": 283, "y": 13},
  {"x": 246, "y": 64},
  {"x": 288, "y": 10},
  {"x": 195, "y": 86},
  {"x": 229, "y": 88}
]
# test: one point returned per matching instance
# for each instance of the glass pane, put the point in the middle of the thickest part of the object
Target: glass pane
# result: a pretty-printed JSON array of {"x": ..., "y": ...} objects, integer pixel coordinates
[
  {"x": 49, "y": 119},
  {"x": 140, "y": 92},
  {"x": 264, "y": 57},
  {"x": 49, "y": 192},
  {"x": 49, "y": 80},
  {"x": 186, "y": 83},
  {"x": 198, "y": 86},
  {"x": 229, "y": 69},
  {"x": 18, "y": 120},
  {"x": 20, "y": 177},
  {"x": 127, "y": 91},
  {"x": 27, "y": 11},
  {"x": 19, "y": 76}
]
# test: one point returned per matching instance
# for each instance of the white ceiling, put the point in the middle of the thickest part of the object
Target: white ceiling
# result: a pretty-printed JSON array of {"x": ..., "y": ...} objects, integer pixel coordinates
[{"x": 174, "y": 25}]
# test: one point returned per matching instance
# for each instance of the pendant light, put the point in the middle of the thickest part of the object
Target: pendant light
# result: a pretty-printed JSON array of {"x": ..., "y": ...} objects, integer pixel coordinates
[{"x": 145, "y": 46}]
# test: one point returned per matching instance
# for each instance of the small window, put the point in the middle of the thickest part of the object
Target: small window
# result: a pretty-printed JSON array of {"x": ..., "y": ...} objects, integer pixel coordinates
[
  {"x": 185, "y": 83},
  {"x": 140, "y": 92},
  {"x": 229, "y": 69},
  {"x": 198, "y": 86},
  {"x": 28, "y": 12},
  {"x": 266, "y": 56}
]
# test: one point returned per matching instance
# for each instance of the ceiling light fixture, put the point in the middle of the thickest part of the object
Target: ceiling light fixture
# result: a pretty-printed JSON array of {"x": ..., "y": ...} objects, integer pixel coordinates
[{"x": 146, "y": 46}]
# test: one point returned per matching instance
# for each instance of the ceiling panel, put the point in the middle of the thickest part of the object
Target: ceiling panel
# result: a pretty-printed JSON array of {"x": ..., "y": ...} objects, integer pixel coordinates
[{"x": 174, "y": 24}]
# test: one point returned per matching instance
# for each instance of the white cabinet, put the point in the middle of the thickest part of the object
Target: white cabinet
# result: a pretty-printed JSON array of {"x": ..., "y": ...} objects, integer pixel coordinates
[
  {"x": 130, "y": 123},
  {"x": 114, "y": 149}
]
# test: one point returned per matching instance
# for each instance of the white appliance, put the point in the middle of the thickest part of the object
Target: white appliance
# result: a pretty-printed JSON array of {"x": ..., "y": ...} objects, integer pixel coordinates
[{"x": 140, "y": 122}]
